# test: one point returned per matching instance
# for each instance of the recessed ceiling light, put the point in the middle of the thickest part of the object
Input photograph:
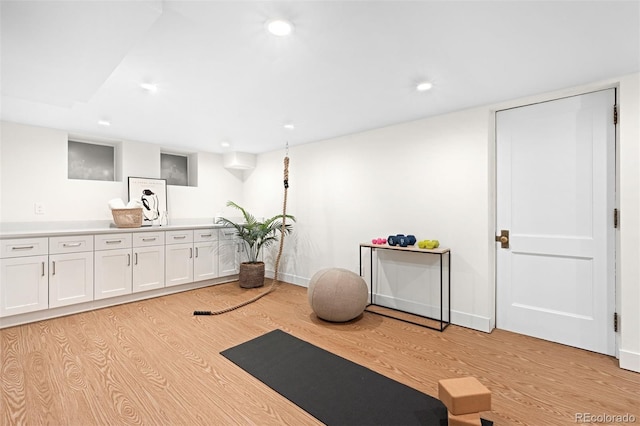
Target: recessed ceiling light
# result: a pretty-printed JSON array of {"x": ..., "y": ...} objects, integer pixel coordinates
[
  {"x": 105, "y": 123},
  {"x": 225, "y": 144},
  {"x": 289, "y": 126},
  {"x": 424, "y": 86},
  {"x": 149, "y": 87},
  {"x": 279, "y": 27}
]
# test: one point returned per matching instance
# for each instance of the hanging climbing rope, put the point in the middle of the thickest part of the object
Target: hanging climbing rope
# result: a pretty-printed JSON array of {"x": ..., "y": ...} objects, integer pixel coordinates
[{"x": 275, "y": 282}]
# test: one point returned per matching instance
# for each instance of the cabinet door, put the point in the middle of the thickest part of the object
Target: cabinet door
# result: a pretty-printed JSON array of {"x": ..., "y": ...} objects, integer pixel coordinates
[
  {"x": 148, "y": 268},
  {"x": 112, "y": 273},
  {"x": 24, "y": 285},
  {"x": 178, "y": 264},
  {"x": 229, "y": 257},
  {"x": 205, "y": 261},
  {"x": 70, "y": 279}
]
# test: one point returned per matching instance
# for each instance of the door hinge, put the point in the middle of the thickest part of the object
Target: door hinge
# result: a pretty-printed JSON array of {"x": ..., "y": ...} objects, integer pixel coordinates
[
  {"x": 615, "y": 218},
  {"x": 616, "y": 322},
  {"x": 615, "y": 114}
]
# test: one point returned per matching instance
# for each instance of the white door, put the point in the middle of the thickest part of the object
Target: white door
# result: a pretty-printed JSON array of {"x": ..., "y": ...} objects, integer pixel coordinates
[
  {"x": 70, "y": 278},
  {"x": 556, "y": 196},
  {"x": 24, "y": 285},
  {"x": 148, "y": 268},
  {"x": 112, "y": 273},
  {"x": 229, "y": 252},
  {"x": 178, "y": 264},
  {"x": 205, "y": 262}
]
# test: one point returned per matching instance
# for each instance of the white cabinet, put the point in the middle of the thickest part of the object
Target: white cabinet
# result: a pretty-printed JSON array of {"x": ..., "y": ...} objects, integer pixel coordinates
[
  {"x": 229, "y": 249},
  {"x": 113, "y": 266},
  {"x": 70, "y": 270},
  {"x": 205, "y": 261},
  {"x": 148, "y": 261},
  {"x": 23, "y": 276},
  {"x": 178, "y": 257}
]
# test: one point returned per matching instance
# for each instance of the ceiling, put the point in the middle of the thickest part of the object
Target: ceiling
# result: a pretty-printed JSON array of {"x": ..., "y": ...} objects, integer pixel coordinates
[{"x": 348, "y": 66}]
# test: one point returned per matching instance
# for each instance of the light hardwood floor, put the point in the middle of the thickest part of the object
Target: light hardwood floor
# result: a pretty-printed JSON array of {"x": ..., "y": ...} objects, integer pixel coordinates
[{"x": 154, "y": 363}]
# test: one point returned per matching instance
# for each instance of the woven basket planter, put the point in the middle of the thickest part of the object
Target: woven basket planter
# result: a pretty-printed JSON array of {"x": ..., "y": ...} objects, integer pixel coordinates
[{"x": 251, "y": 274}]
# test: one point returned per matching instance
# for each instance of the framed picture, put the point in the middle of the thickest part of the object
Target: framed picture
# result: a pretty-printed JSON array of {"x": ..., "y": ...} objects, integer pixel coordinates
[{"x": 152, "y": 193}]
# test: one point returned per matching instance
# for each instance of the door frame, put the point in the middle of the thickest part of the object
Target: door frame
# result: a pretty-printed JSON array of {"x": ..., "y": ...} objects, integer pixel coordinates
[{"x": 493, "y": 184}]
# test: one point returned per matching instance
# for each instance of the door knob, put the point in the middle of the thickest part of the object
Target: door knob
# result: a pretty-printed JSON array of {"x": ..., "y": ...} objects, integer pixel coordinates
[{"x": 503, "y": 238}]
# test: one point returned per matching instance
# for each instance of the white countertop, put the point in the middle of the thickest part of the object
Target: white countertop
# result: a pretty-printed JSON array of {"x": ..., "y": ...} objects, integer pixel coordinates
[{"x": 47, "y": 229}]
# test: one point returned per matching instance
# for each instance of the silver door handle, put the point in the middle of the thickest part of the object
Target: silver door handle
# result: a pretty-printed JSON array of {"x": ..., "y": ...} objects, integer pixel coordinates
[
  {"x": 196, "y": 251},
  {"x": 190, "y": 253},
  {"x": 53, "y": 267},
  {"x": 43, "y": 269},
  {"x": 136, "y": 259},
  {"x": 128, "y": 259}
]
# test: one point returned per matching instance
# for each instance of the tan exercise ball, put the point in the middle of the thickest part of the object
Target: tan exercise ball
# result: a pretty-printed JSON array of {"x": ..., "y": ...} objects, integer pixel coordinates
[{"x": 337, "y": 294}]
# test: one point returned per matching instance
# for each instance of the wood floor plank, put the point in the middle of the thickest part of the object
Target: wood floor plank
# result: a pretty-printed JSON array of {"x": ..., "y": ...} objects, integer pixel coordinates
[{"x": 154, "y": 363}]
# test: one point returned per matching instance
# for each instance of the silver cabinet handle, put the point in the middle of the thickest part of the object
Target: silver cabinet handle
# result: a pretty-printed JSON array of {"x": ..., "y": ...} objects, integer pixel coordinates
[
  {"x": 149, "y": 239},
  {"x": 136, "y": 259},
  {"x": 205, "y": 235},
  {"x": 128, "y": 259},
  {"x": 53, "y": 267},
  {"x": 179, "y": 237},
  {"x": 196, "y": 251},
  {"x": 190, "y": 253},
  {"x": 71, "y": 244},
  {"x": 21, "y": 247},
  {"x": 43, "y": 269},
  {"x": 113, "y": 241}
]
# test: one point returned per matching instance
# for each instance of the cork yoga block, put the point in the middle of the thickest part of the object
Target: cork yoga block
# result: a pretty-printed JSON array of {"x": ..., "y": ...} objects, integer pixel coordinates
[
  {"x": 472, "y": 419},
  {"x": 464, "y": 395}
]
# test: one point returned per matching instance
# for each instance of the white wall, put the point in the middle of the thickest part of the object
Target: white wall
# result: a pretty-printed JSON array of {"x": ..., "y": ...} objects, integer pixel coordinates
[
  {"x": 399, "y": 179},
  {"x": 34, "y": 170},
  {"x": 432, "y": 177}
]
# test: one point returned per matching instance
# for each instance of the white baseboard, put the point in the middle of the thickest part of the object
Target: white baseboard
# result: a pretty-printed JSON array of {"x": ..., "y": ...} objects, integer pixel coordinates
[
  {"x": 629, "y": 360},
  {"x": 463, "y": 319},
  {"x": 290, "y": 278},
  {"x": 474, "y": 322}
]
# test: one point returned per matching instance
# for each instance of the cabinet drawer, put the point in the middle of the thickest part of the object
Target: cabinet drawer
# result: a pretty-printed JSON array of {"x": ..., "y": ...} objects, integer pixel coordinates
[
  {"x": 145, "y": 239},
  {"x": 205, "y": 235},
  {"x": 178, "y": 237},
  {"x": 24, "y": 247},
  {"x": 228, "y": 234},
  {"x": 112, "y": 241},
  {"x": 70, "y": 244}
]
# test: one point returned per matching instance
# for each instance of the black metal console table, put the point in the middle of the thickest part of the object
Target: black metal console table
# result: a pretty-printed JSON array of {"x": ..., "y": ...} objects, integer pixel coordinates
[{"x": 442, "y": 253}]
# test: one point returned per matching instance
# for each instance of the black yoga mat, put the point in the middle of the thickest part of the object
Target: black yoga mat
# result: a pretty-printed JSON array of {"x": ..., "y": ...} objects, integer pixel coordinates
[{"x": 333, "y": 389}]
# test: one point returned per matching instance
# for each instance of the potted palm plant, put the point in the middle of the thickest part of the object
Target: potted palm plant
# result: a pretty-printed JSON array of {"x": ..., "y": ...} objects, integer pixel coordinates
[{"x": 256, "y": 235}]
